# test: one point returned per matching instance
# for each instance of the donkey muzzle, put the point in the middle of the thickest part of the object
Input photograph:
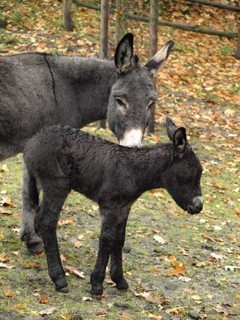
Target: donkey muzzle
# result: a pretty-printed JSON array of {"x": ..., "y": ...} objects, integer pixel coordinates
[{"x": 196, "y": 205}]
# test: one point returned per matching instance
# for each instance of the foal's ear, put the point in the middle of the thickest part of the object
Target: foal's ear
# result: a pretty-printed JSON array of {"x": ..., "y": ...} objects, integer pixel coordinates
[
  {"x": 180, "y": 141},
  {"x": 171, "y": 128},
  {"x": 157, "y": 61},
  {"x": 124, "y": 53},
  {"x": 177, "y": 136}
]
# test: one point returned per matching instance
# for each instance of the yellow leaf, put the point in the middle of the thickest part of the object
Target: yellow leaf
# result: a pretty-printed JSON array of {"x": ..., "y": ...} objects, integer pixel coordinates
[
  {"x": 10, "y": 294},
  {"x": 20, "y": 306},
  {"x": 78, "y": 244},
  {"x": 152, "y": 316},
  {"x": 196, "y": 297},
  {"x": 4, "y": 168},
  {"x": 4, "y": 257},
  {"x": 7, "y": 202}
]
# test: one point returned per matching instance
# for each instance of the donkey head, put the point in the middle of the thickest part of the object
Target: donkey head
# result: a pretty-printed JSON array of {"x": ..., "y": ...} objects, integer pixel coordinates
[
  {"x": 133, "y": 95},
  {"x": 183, "y": 174}
]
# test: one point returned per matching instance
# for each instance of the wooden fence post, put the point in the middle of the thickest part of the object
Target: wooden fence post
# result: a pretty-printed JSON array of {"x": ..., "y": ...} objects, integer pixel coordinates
[
  {"x": 120, "y": 19},
  {"x": 238, "y": 46},
  {"x": 104, "y": 39},
  {"x": 153, "y": 49},
  {"x": 67, "y": 15}
]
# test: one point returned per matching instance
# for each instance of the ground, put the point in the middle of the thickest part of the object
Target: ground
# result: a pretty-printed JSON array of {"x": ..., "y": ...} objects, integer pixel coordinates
[{"x": 178, "y": 266}]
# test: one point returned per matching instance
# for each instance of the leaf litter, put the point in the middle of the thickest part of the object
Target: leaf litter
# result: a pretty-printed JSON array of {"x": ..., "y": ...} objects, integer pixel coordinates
[{"x": 199, "y": 88}]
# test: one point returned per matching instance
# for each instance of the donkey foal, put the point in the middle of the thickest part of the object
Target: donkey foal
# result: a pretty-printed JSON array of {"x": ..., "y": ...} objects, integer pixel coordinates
[{"x": 62, "y": 159}]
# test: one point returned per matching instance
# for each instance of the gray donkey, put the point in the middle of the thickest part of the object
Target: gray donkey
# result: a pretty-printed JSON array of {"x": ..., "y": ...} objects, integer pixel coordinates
[
  {"x": 62, "y": 159},
  {"x": 39, "y": 90}
]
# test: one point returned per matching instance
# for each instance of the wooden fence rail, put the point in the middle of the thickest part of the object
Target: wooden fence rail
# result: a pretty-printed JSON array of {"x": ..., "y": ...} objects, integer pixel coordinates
[{"x": 195, "y": 28}]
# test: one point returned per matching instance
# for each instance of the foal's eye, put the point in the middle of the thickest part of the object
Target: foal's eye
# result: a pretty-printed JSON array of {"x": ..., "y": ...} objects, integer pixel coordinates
[{"x": 121, "y": 103}]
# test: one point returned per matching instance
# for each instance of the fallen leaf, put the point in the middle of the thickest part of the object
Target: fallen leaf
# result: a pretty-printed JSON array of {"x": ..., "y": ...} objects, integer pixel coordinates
[
  {"x": 4, "y": 168},
  {"x": 3, "y": 265},
  {"x": 21, "y": 306},
  {"x": 5, "y": 211},
  {"x": 78, "y": 244},
  {"x": 7, "y": 202},
  {"x": 87, "y": 299},
  {"x": 217, "y": 256},
  {"x": 65, "y": 222},
  {"x": 149, "y": 296},
  {"x": 43, "y": 300},
  {"x": 159, "y": 239},
  {"x": 231, "y": 268},
  {"x": 217, "y": 228},
  {"x": 229, "y": 112},
  {"x": 10, "y": 294},
  {"x": 4, "y": 257},
  {"x": 213, "y": 239},
  {"x": 73, "y": 270},
  {"x": 184, "y": 279},
  {"x": 31, "y": 265},
  {"x": 196, "y": 297},
  {"x": 152, "y": 316},
  {"x": 47, "y": 312},
  {"x": 179, "y": 268},
  {"x": 95, "y": 207}
]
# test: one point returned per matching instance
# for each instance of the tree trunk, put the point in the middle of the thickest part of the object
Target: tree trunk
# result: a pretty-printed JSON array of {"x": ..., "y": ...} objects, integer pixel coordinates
[
  {"x": 67, "y": 15},
  {"x": 104, "y": 39},
  {"x": 153, "y": 49},
  {"x": 238, "y": 46},
  {"x": 120, "y": 19}
]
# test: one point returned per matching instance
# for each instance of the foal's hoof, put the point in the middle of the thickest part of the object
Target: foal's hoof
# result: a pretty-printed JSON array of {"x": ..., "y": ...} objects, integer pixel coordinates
[
  {"x": 63, "y": 290},
  {"x": 97, "y": 292},
  {"x": 122, "y": 285},
  {"x": 33, "y": 243},
  {"x": 35, "y": 248}
]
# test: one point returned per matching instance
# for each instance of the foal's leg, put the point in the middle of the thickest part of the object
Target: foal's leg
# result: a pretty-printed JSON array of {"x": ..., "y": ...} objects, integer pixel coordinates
[
  {"x": 116, "y": 270},
  {"x": 46, "y": 225},
  {"x": 27, "y": 231},
  {"x": 106, "y": 243}
]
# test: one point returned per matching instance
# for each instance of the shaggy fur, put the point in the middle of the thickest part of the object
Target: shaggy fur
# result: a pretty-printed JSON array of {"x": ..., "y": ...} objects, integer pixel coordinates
[
  {"x": 62, "y": 159},
  {"x": 39, "y": 90}
]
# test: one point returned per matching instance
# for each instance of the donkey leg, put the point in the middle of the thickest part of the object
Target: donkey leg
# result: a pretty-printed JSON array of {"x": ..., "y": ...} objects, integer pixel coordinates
[
  {"x": 46, "y": 225},
  {"x": 27, "y": 231},
  {"x": 106, "y": 243},
  {"x": 116, "y": 270}
]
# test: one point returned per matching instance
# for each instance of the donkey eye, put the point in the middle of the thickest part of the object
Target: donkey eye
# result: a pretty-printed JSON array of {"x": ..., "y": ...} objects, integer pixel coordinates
[{"x": 121, "y": 103}]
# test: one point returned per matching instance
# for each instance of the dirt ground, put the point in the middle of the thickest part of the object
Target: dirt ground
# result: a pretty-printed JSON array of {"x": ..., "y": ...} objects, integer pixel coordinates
[{"x": 178, "y": 266}]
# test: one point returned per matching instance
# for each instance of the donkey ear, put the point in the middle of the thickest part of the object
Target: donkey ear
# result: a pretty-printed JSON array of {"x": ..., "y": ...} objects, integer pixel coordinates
[
  {"x": 180, "y": 141},
  {"x": 124, "y": 53},
  {"x": 157, "y": 61},
  {"x": 171, "y": 128}
]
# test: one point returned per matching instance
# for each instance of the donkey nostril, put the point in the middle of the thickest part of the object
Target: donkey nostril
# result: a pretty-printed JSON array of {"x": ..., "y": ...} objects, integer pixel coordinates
[
  {"x": 198, "y": 203},
  {"x": 199, "y": 206}
]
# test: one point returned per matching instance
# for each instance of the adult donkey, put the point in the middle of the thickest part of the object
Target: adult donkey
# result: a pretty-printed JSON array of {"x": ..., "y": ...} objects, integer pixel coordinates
[{"x": 38, "y": 90}]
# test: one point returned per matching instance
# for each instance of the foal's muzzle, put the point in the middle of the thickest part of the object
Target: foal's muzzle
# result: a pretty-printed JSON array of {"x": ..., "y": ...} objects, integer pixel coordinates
[{"x": 196, "y": 205}]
